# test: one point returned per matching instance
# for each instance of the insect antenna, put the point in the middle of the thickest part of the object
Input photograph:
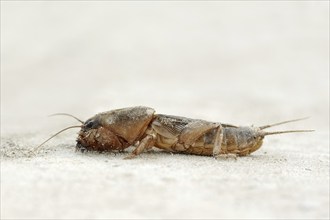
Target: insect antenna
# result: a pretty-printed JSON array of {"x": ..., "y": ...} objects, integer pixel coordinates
[
  {"x": 283, "y": 132},
  {"x": 36, "y": 148},
  {"x": 66, "y": 114},
  {"x": 283, "y": 122}
]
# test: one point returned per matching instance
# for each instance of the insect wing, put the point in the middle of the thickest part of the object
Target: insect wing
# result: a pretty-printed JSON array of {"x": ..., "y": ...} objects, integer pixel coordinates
[{"x": 170, "y": 126}]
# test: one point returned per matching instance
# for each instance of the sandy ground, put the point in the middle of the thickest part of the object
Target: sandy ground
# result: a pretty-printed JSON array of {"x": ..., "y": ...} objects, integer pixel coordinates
[{"x": 241, "y": 62}]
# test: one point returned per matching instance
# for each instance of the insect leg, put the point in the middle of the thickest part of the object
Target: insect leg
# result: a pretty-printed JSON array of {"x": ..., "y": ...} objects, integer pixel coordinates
[
  {"x": 145, "y": 143},
  {"x": 226, "y": 156},
  {"x": 196, "y": 129},
  {"x": 217, "y": 142}
]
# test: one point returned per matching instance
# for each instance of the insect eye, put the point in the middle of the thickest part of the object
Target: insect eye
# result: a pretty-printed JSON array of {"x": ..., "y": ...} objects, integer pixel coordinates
[{"x": 89, "y": 124}]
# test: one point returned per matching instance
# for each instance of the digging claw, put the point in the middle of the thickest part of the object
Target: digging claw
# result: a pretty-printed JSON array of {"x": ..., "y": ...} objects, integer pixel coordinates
[{"x": 80, "y": 148}]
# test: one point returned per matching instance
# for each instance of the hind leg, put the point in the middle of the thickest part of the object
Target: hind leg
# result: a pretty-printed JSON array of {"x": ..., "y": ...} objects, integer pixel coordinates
[{"x": 217, "y": 142}]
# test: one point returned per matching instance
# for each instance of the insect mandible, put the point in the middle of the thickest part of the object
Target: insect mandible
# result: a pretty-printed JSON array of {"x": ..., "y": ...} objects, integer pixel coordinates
[{"x": 142, "y": 128}]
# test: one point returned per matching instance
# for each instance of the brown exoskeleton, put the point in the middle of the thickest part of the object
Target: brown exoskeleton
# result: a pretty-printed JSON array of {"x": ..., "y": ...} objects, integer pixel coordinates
[{"x": 141, "y": 127}]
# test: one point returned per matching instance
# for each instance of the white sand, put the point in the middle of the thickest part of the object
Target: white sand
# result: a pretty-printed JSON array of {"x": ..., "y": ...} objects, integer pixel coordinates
[{"x": 240, "y": 63}]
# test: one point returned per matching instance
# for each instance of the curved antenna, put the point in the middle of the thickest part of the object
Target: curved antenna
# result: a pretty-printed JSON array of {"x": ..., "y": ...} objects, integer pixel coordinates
[
  {"x": 66, "y": 114},
  {"x": 283, "y": 122},
  {"x": 283, "y": 132},
  {"x": 36, "y": 148}
]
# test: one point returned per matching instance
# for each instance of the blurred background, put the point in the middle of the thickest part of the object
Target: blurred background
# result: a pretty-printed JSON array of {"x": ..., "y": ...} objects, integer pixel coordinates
[{"x": 235, "y": 62}]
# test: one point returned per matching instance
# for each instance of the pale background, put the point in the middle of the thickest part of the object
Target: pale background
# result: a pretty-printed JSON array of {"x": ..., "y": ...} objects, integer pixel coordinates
[{"x": 241, "y": 62}]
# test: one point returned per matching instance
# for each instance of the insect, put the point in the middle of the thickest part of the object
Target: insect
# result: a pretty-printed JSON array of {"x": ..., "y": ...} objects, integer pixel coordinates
[{"x": 142, "y": 128}]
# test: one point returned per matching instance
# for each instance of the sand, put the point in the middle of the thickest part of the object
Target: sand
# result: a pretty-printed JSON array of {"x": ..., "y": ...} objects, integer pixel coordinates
[{"x": 250, "y": 63}]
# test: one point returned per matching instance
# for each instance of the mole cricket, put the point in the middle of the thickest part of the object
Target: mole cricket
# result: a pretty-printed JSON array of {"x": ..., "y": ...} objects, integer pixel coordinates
[{"x": 140, "y": 127}]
